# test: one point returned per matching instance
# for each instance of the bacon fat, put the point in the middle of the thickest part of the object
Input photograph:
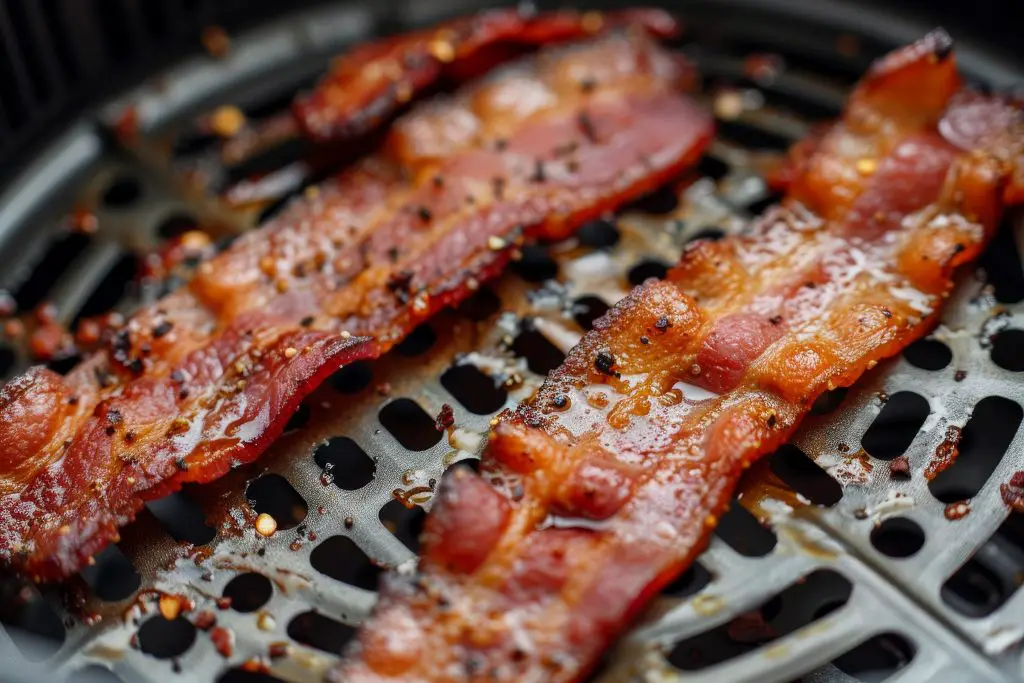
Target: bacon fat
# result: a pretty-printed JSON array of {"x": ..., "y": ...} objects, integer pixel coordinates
[
  {"x": 205, "y": 378},
  {"x": 607, "y": 484}
]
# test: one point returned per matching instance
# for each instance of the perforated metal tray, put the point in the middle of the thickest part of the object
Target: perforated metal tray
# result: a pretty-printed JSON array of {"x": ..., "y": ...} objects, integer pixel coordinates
[{"x": 858, "y": 572}]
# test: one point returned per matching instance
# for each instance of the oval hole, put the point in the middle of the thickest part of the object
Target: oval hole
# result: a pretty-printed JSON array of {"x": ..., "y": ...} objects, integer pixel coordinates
[
  {"x": 987, "y": 580},
  {"x": 896, "y": 425},
  {"x": 690, "y": 582},
  {"x": 410, "y": 424},
  {"x": 30, "y": 621},
  {"x": 249, "y": 591},
  {"x": 122, "y": 192},
  {"x": 112, "y": 577},
  {"x": 647, "y": 269},
  {"x": 274, "y": 495},
  {"x": 298, "y": 419},
  {"x": 829, "y": 401},
  {"x": 246, "y": 676},
  {"x": 320, "y": 632},
  {"x": 804, "y": 476},
  {"x": 111, "y": 289},
  {"x": 166, "y": 638},
  {"x": 482, "y": 305},
  {"x": 536, "y": 265},
  {"x": 983, "y": 442},
  {"x": 877, "y": 658},
  {"x": 1008, "y": 350},
  {"x": 587, "y": 309},
  {"x": 709, "y": 232},
  {"x": 599, "y": 234},
  {"x": 182, "y": 518},
  {"x": 176, "y": 225},
  {"x": 713, "y": 167},
  {"x": 1002, "y": 265},
  {"x": 928, "y": 354},
  {"x": 345, "y": 462},
  {"x": 797, "y": 606},
  {"x": 341, "y": 559},
  {"x": 661, "y": 201},
  {"x": 62, "y": 252},
  {"x": 898, "y": 537},
  {"x": 353, "y": 378},
  {"x": 752, "y": 137},
  {"x": 744, "y": 534},
  {"x": 474, "y": 389},
  {"x": 418, "y": 341},
  {"x": 975, "y": 590},
  {"x": 541, "y": 355},
  {"x": 757, "y": 207},
  {"x": 405, "y": 523},
  {"x": 7, "y": 359}
]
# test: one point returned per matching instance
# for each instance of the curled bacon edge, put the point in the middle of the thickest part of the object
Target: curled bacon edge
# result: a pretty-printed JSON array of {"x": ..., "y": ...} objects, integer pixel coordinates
[{"x": 366, "y": 86}]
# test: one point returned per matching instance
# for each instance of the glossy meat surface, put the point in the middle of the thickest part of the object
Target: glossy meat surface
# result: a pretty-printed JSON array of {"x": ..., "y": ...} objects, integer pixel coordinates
[
  {"x": 606, "y": 485},
  {"x": 205, "y": 378},
  {"x": 366, "y": 86}
]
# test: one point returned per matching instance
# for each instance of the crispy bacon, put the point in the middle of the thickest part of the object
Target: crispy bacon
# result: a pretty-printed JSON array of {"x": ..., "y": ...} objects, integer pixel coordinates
[
  {"x": 369, "y": 84},
  {"x": 606, "y": 485},
  {"x": 201, "y": 381}
]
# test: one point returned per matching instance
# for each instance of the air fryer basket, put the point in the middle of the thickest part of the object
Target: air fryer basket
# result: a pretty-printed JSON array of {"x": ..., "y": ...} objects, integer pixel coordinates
[{"x": 835, "y": 566}]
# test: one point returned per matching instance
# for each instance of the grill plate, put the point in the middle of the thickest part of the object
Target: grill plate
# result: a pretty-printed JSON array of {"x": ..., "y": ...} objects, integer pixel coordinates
[{"x": 825, "y": 578}]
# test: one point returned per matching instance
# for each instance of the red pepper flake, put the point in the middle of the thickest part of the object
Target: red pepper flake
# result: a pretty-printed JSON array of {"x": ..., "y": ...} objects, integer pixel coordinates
[
  {"x": 278, "y": 649},
  {"x": 88, "y": 332},
  {"x": 126, "y": 128},
  {"x": 83, "y": 221},
  {"x": 216, "y": 41},
  {"x": 205, "y": 620},
  {"x": 1013, "y": 492},
  {"x": 14, "y": 329},
  {"x": 958, "y": 510},
  {"x": 900, "y": 467},
  {"x": 46, "y": 313},
  {"x": 223, "y": 602},
  {"x": 48, "y": 341},
  {"x": 224, "y": 640},
  {"x": 946, "y": 453},
  {"x": 445, "y": 418}
]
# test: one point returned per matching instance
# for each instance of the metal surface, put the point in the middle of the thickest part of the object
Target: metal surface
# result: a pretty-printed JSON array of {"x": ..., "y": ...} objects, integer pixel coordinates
[{"x": 837, "y": 564}]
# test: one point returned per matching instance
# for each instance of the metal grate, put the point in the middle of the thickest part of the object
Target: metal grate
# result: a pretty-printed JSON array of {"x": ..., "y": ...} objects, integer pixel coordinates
[{"x": 838, "y": 564}]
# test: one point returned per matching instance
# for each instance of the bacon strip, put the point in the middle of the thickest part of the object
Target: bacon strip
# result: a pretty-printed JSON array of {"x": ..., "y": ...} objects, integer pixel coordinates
[
  {"x": 369, "y": 84},
  {"x": 607, "y": 484},
  {"x": 204, "y": 379}
]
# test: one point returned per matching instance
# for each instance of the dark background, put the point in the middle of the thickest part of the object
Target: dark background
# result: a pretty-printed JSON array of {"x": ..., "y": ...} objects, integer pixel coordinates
[{"x": 59, "y": 56}]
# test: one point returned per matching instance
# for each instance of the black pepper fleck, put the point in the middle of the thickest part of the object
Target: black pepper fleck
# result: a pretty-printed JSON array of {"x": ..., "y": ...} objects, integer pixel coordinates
[
  {"x": 587, "y": 126},
  {"x": 605, "y": 363},
  {"x": 163, "y": 329}
]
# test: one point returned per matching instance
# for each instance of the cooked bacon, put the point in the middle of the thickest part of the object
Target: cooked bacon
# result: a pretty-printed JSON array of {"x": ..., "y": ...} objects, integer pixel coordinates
[
  {"x": 607, "y": 484},
  {"x": 204, "y": 379},
  {"x": 369, "y": 84}
]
